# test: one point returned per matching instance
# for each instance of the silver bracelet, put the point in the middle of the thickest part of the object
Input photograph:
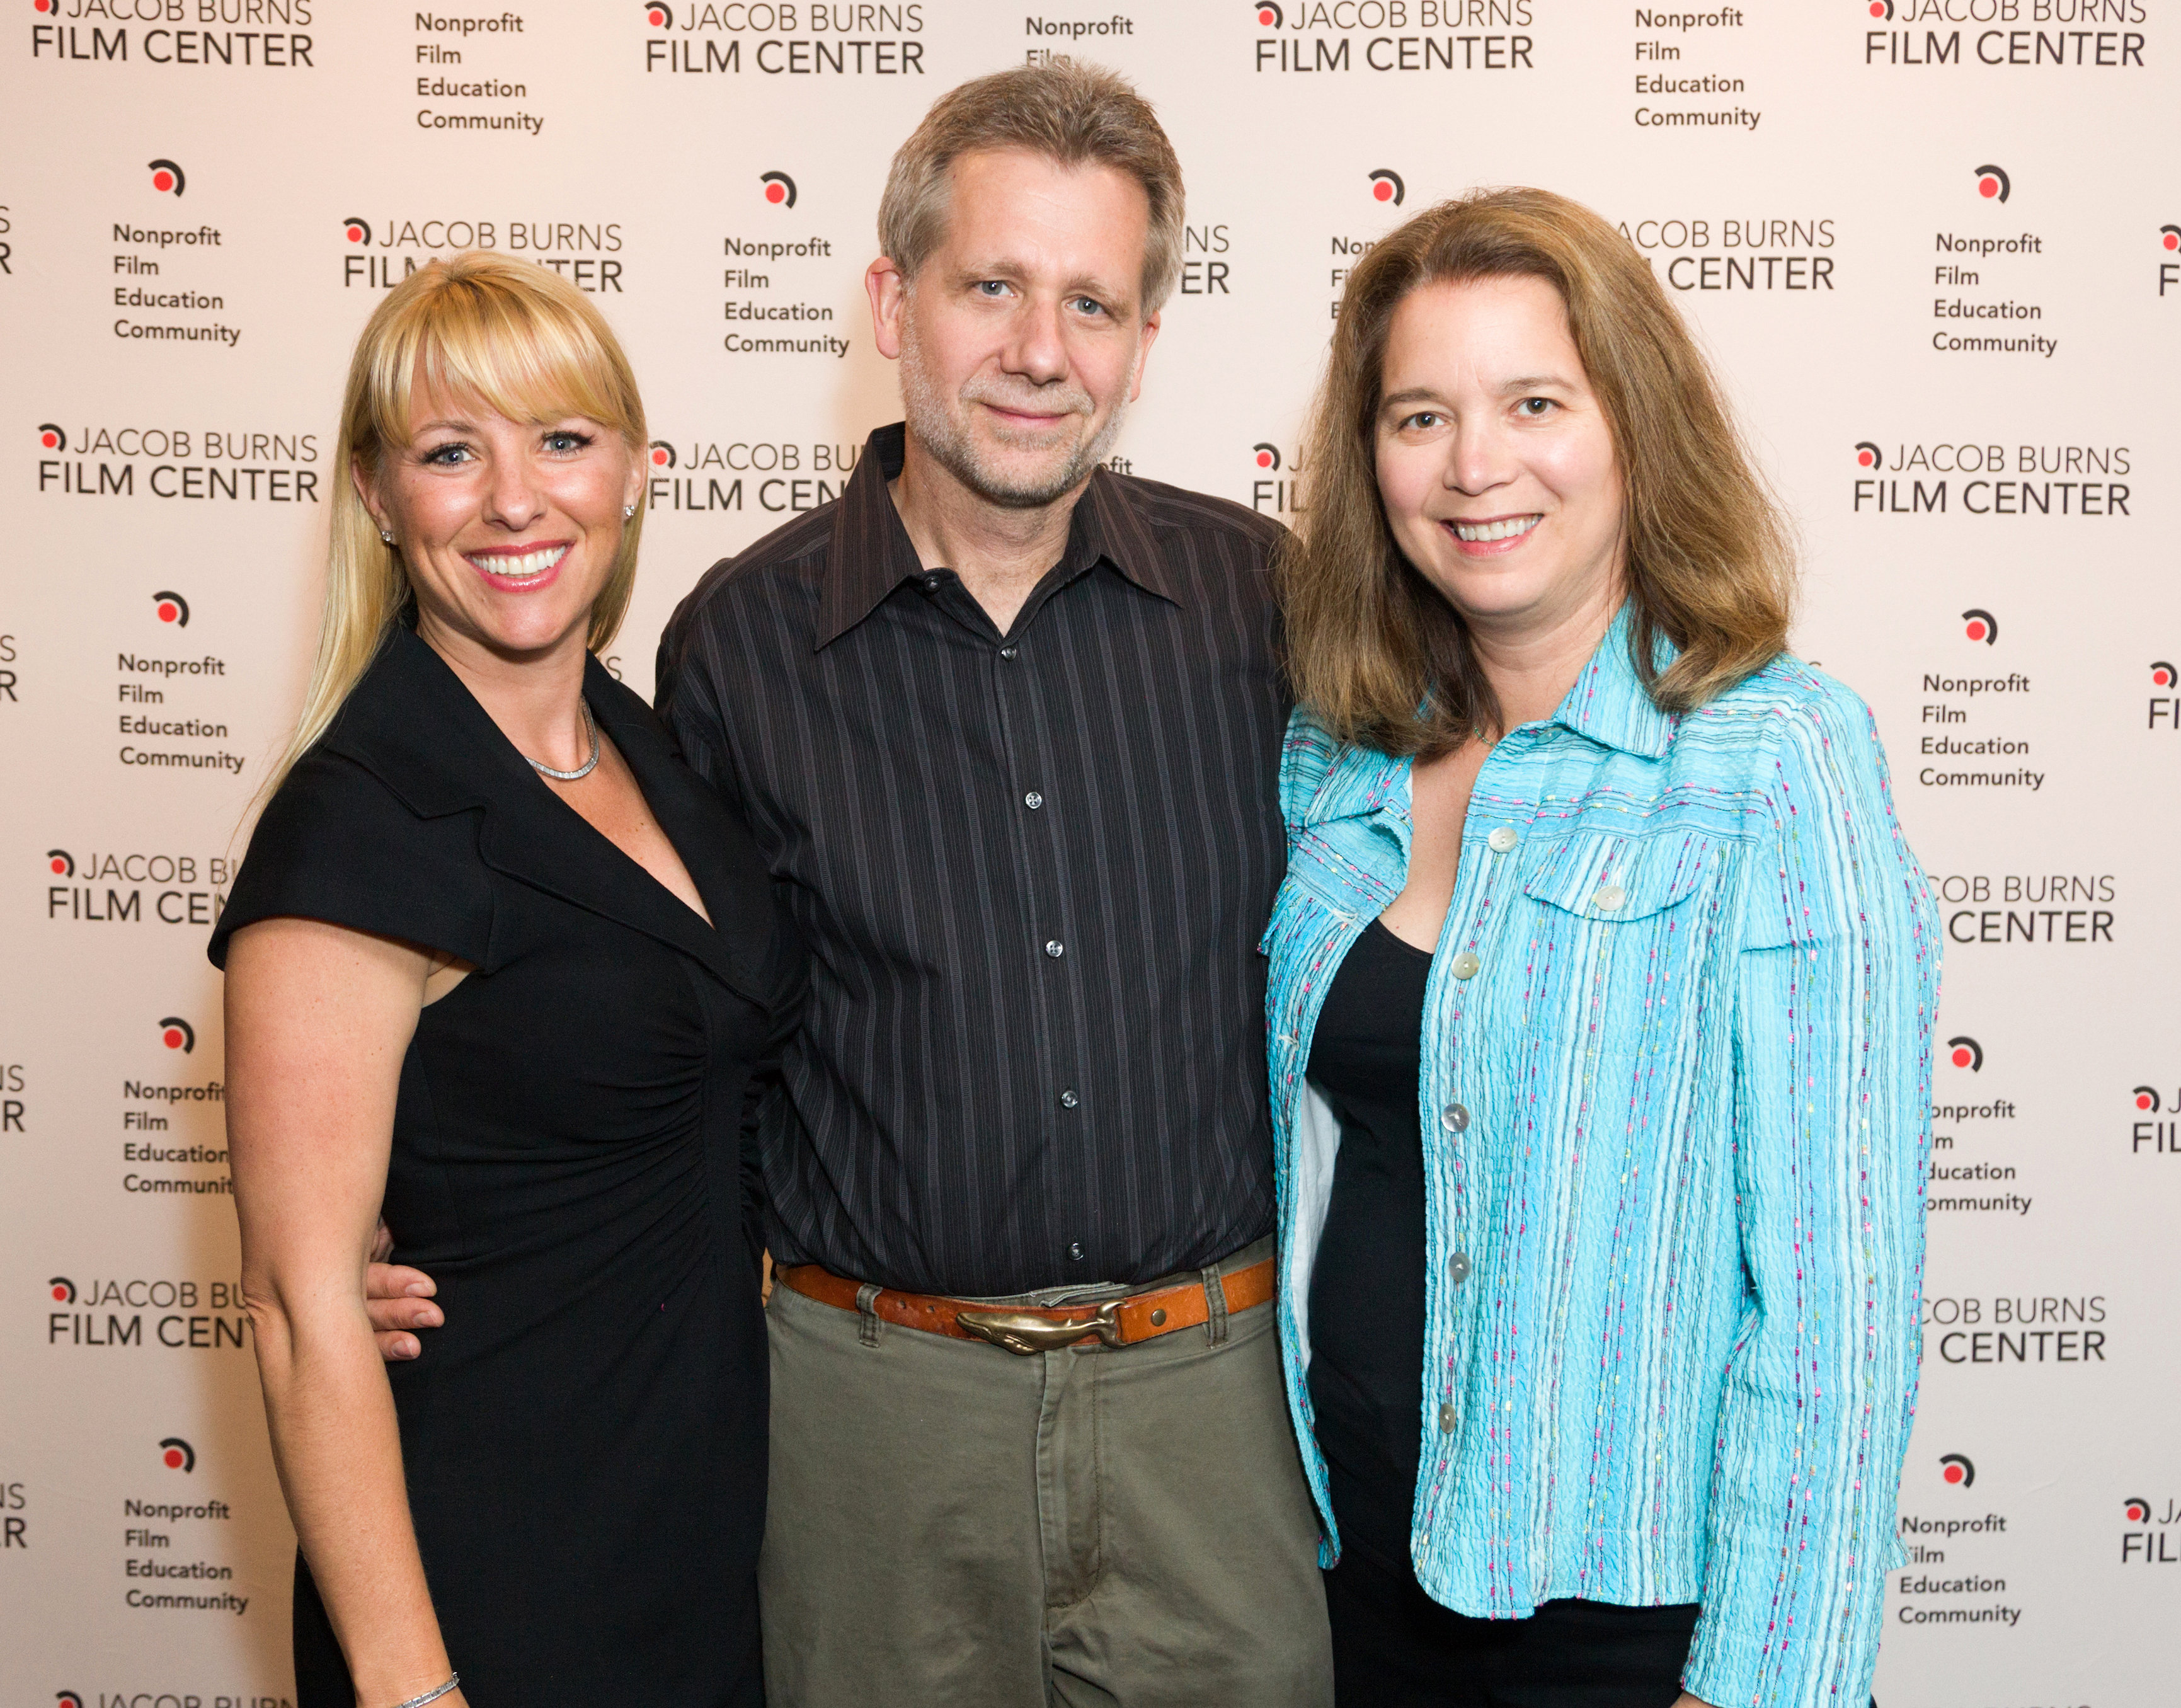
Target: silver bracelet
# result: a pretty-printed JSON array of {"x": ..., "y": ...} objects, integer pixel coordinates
[{"x": 431, "y": 1695}]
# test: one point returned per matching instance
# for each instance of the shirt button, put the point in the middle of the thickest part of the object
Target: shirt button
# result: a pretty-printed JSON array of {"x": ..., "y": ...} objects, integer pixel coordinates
[
  {"x": 1609, "y": 897},
  {"x": 1074, "y": 1251},
  {"x": 1008, "y": 652},
  {"x": 1055, "y": 948},
  {"x": 1446, "y": 1418},
  {"x": 1464, "y": 965},
  {"x": 1455, "y": 1118},
  {"x": 1457, "y": 1268},
  {"x": 1069, "y": 1100},
  {"x": 1033, "y": 800},
  {"x": 931, "y": 584},
  {"x": 1502, "y": 839}
]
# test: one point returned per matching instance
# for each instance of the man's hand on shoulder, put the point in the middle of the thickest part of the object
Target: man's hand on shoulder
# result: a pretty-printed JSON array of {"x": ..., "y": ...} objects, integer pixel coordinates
[{"x": 398, "y": 1300}]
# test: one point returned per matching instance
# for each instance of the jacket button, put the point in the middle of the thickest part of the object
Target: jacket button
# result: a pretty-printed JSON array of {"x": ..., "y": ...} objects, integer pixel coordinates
[
  {"x": 1055, "y": 948},
  {"x": 1464, "y": 965},
  {"x": 1609, "y": 897},
  {"x": 1455, "y": 1118},
  {"x": 1446, "y": 1418},
  {"x": 1457, "y": 1268},
  {"x": 1502, "y": 839}
]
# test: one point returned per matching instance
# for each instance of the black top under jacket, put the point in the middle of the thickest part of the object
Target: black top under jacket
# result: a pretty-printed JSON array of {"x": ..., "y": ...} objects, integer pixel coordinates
[
  {"x": 1032, "y": 868},
  {"x": 1366, "y": 1289},
  {"x": 585, "y": 1439}
]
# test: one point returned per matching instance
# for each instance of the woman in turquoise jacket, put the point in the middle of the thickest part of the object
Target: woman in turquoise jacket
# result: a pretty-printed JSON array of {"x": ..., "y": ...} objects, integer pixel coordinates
[{"x": 1602, "y": 989}]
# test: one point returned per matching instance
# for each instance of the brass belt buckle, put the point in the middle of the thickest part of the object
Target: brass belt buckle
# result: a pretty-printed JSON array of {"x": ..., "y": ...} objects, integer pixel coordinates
[{"x": 1019, "y": 1331}]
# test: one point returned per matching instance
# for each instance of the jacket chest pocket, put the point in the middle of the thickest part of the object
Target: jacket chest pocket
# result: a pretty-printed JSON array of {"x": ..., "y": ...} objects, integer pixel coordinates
[
  {"x": 1620, "y": 985},
  {"x": 1616, "y": 879},
  {"x": 1619, "y": 929}
]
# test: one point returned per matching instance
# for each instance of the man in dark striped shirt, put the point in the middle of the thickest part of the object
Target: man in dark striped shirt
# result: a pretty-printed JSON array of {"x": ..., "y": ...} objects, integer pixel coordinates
[{"x": 1007, "y": 725}]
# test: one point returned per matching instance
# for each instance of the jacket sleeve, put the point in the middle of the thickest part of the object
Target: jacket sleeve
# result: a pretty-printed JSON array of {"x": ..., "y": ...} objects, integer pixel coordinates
[{"x": 1837, "y": 997}]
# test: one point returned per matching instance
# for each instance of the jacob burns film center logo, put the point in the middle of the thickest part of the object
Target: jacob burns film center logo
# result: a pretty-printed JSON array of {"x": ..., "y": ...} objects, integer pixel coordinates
[
  {"x": 2140, "y": 1543},
  {"x": 2154, "y": 1136},
  {"x": 2165, "y": 707},
  {"x": 1966, "y": 1053},
  {"x": 1275, "y": 490},
  {"x": 1956, "y": 1470}
]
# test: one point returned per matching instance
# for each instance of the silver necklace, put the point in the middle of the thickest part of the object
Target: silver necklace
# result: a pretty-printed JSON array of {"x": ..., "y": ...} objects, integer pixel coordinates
[{"x": 581, "y": 771}]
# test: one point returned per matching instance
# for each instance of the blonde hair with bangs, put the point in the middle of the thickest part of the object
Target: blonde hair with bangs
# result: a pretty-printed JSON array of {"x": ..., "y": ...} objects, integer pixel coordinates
[
  {"x": 1710, "y": 558},
  {"x": 515, "y": 337}
]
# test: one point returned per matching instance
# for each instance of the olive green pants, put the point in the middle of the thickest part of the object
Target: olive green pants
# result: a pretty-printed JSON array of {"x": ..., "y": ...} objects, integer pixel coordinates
[{"x": 955, "y": 1526}]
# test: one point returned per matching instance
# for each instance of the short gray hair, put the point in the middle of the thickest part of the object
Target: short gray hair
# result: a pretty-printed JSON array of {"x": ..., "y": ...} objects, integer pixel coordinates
[{"x": 1072, "y": 114}]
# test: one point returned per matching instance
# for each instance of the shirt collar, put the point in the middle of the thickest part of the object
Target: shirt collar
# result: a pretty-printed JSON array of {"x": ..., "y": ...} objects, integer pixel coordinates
[
  {"x": 1609, "y": 705},
  {"x": 872, "y": 555}
]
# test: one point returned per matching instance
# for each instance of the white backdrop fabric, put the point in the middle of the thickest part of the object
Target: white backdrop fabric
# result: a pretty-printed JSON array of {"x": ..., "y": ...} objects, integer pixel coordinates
[{"x": 1932, "y": 244}]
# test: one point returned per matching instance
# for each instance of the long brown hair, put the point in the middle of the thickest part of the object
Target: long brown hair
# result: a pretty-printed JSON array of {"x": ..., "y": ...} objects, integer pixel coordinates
[
  {"x": 516, "y": 337},
  {"x": 1709, "y": 561}
]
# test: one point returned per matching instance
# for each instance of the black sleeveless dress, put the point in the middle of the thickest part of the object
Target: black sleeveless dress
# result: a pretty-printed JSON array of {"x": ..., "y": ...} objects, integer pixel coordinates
[{"x": 585, "y": 1439}]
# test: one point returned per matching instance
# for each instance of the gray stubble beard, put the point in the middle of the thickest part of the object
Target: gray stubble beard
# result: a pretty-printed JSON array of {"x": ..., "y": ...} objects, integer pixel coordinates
[{"x": 940, "y": 433}]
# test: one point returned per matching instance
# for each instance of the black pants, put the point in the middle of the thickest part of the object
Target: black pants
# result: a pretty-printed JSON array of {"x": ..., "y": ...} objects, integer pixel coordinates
[{"x": 1394, "y": 1647}]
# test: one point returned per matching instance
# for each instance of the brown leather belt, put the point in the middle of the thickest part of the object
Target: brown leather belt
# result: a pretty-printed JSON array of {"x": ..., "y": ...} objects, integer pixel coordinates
[{"x": 1122, "y": 1322}]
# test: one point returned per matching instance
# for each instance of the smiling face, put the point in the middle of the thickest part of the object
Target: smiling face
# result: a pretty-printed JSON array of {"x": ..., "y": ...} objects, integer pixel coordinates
[
  {"x": 1495, "y": 458},
  {"x": 509, "y": 529},
  {"x": 1020, "y": 339}
]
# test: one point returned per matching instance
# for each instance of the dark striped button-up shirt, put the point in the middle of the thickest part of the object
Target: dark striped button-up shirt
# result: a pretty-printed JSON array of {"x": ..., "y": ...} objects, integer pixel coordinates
[{"x": 1032, "y": 868}]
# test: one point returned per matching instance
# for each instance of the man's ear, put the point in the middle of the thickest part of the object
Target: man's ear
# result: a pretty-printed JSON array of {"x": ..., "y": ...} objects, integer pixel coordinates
[
  {"x": 1143, "y": 355},
  {"x": 889, "y": 293}
]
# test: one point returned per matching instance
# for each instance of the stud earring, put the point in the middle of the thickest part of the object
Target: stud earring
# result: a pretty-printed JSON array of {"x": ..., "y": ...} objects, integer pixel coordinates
[
  {"x": 627, "y": 511},
  {"x": 385, "y": 536}
]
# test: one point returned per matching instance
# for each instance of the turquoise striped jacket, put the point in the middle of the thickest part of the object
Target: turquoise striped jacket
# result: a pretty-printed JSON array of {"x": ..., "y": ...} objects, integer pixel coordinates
[{"x": 1676, "y": 1101}]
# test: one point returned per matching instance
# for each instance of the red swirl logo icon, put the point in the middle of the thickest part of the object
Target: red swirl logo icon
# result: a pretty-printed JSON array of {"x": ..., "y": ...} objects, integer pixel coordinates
[
  {"x": 1980, "y": 625},
  {"x": 357, "y": 230},
  {"x": 1993, "y": 184},
  {"x": 1267, "y": 455},
  {"x": 60, "y": 862},
  {"x": 167, "y": 178},
  {"x": 178, "y": 1034},
  {"x": 662, "y": 454},
  {"x": 177, "y": 1455},
  {"x": 61, "y": 1289},
  {"x": 779, "y": 188},
  {"x": 171, "y": 607},
  {"x": 50, "y": 436},
  {"x": 1966, "y": 1053},
  {"x": 1955, "y": 1469},
  {"x": 1386, "y": 185}
]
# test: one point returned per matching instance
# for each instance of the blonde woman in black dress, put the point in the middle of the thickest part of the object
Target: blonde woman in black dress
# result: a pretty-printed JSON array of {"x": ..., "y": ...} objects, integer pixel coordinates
[{"x": 498, "y": 963}]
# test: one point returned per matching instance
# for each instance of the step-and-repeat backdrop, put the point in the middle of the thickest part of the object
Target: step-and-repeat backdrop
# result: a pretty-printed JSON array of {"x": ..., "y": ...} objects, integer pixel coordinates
[{"x": 1935, "y": 245}]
